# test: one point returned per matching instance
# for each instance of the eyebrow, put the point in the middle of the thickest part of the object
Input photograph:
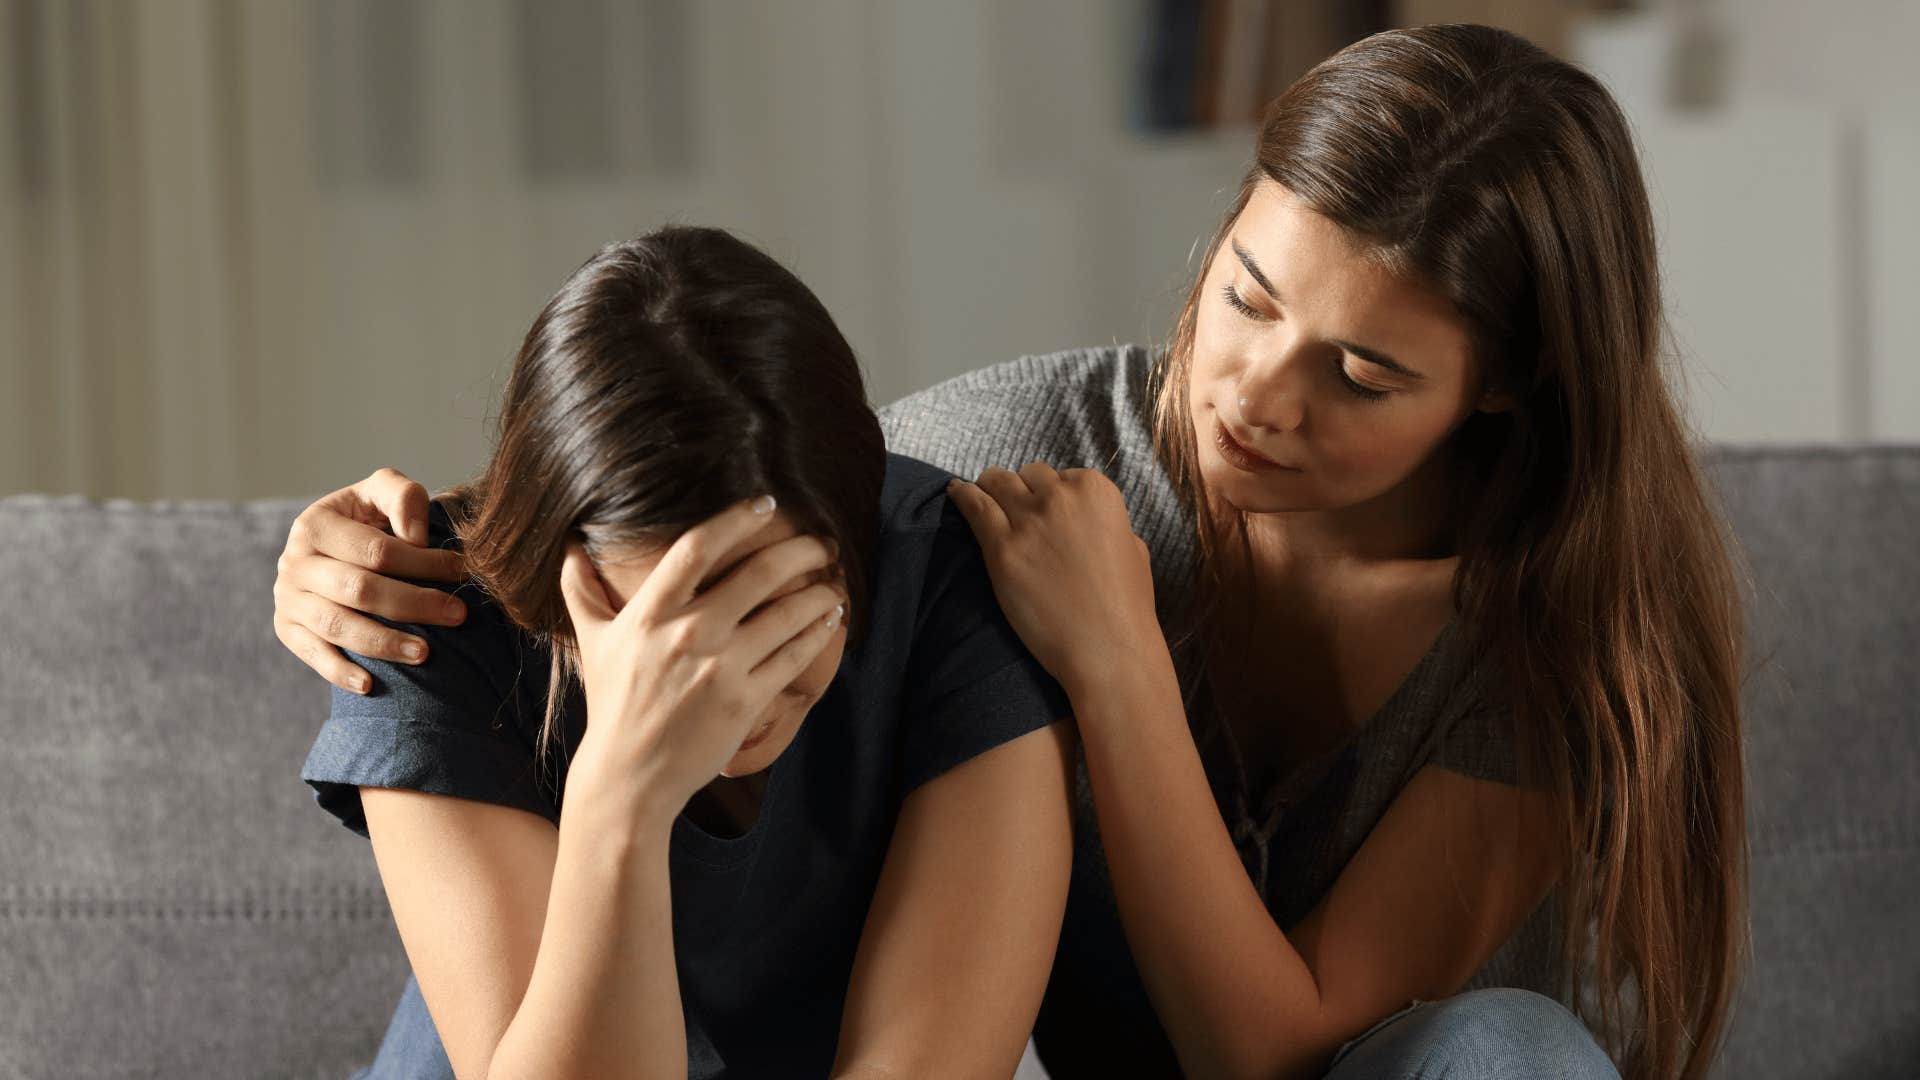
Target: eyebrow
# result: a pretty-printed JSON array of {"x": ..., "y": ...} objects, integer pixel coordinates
[{"x": 1372, "y": 356}]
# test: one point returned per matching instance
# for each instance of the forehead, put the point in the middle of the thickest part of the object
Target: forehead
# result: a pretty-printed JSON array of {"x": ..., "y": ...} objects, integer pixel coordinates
[
  {"x": 630, "y": 565},
  {"x": 1323, "y": 271}
]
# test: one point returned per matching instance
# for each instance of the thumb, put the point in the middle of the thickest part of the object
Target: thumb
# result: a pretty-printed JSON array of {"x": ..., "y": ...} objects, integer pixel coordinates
[
  {"x": 983, "y": 512},
  {"x": 583, "y": 593}
]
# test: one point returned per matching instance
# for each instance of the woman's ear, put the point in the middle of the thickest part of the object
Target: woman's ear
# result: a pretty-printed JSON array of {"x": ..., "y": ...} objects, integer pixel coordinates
[
  {"x": 1495, "y": 400},
  {"x": 1495, "y": 397}
]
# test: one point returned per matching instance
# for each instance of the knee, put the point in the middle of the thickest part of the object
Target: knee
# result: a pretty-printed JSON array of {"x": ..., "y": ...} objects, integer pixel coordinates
[{"x": 1505, "y": 1031}]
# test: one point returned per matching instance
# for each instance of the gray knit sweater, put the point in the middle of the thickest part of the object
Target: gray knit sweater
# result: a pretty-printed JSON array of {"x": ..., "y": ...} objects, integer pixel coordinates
[{"x": 1090, "y": 408}]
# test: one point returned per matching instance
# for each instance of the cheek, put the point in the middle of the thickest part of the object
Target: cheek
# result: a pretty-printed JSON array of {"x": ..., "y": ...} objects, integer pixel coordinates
[
  {"x": 1385, "y": 443},
  {"x": 1212, "y": 342}
]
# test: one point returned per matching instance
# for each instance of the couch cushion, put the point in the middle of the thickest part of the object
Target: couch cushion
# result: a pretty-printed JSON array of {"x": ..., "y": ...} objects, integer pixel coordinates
[
  {"x": 171, "y": 901},
  {"x": 1833, "y": 758}
]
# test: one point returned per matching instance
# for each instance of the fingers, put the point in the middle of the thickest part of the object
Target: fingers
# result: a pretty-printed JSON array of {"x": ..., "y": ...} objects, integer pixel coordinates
[
  {"x": 401, "y": 501},
  {"x": 780, "y": 621},
  {"x": 364, "y": 590},
  {"x": 321, "y": 657},
  {"x": 1039, "y": 476},
  {"x": 347, "y": 628},
  {"x": 758, "y": 578},
  {"x": 693, "y": 556},
  {"x": 1008, "y": 488},
  {"x": 790, "y": 659},
  {"x": 584, "y": 594},
  {"x": 983, "y": 512},
  {"x": 328, "y": 529}
]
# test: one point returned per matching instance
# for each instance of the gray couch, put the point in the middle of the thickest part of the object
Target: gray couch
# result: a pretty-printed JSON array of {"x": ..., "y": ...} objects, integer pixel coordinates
[{"x": 172, "y": 903}]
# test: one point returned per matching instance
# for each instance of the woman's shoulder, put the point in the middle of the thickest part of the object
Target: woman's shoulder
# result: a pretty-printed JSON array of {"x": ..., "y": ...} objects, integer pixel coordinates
[
  {"x": 1073, "y": 407},
  {"x": 922, "y": 534},
  {"x": 483, "y": 653},
  {"x": 1077, "y": 408}
]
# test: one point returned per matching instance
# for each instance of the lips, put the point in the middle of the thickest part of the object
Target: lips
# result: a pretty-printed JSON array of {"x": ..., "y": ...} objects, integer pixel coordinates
[
  {"x": 759, "y": 734},
  {"x": 1239, "y": 456}
]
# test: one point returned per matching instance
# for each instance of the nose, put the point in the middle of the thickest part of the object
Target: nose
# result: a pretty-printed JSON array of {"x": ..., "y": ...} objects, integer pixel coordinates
[{"x": 1271, "y": 392}]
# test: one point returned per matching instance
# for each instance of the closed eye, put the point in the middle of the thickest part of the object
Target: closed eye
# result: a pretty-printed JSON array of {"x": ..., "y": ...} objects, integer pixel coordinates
[
  {"x": 1365, "y": 393},
  {"x": 1234, "y": 301}
]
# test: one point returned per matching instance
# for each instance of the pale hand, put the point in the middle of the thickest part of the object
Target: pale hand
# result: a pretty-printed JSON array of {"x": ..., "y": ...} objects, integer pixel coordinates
[
  {"x": 1073, "y": 578},
  {"x": 676, "y": 679}
]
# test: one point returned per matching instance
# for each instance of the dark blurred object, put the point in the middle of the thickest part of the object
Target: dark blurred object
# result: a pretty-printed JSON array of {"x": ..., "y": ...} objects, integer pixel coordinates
[
  {"x": 1218, "y": 63},
  {"x": 1169, "y": 65}
]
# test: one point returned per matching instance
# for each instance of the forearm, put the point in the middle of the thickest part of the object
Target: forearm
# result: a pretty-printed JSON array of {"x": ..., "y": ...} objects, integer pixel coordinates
[
  {"x": 604, "y": 998},
  {"x": 1235, "y": 996}
]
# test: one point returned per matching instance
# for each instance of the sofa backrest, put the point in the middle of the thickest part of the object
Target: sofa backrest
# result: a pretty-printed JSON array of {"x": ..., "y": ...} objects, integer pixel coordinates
[
  {"x": 172, "y": 902},
  {"x": 1832, "y": 728}
]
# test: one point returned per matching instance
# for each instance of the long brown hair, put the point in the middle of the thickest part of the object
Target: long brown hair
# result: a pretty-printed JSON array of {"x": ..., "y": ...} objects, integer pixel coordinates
[
  {"x": 669, "y": 377},
  {"x": 1594, "y": 566}
]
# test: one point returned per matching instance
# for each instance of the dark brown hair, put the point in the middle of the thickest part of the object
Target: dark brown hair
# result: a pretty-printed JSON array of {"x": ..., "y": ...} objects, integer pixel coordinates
[
  {"x": 671, "y": 376},
  {"x": 1595, "y": 568}
]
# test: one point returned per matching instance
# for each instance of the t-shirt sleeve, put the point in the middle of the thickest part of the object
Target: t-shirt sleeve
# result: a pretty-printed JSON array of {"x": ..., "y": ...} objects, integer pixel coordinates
[
  {"x": 1479, "y": 741},
  {"x": 1480, "y": 744},
  {"x": 971, "y": 683},
  {"x": 453, "y": 725}
]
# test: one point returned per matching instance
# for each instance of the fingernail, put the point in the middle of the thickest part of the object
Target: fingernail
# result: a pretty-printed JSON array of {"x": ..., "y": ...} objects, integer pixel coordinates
[
  {"x": 763, "y": 505},
  {"x": 414, "y": 651},
  {"x": 833, "y": 620},
  {"x": 456, "y": 610},
  {"x": 360, "y": 685}
]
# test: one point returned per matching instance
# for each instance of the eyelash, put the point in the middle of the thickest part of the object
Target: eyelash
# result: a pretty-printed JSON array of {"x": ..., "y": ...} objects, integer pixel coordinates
[{"x": 1363, "y": 392}]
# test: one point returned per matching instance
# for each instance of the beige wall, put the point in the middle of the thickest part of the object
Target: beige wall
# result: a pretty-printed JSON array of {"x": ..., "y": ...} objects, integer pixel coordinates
[{"x": 255, "y": 248}]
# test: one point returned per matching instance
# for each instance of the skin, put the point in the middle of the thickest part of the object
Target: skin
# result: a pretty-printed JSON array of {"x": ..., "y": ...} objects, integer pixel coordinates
[
  {"x": 544, "y": 951},
  {"x": 1369, "y": 485},
  {"x": 1349, "y": 583},
  {"x": 621, "y": 573}
]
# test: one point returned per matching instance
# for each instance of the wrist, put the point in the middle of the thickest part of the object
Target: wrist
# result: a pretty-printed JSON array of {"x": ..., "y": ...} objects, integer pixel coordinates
[
  {"x": 624, "y": 794},
  {"x": 1131, "y": 666}
]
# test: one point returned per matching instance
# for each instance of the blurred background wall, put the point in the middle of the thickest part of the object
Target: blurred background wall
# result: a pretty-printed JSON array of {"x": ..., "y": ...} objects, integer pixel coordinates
[{"x": 261, "y": 247}]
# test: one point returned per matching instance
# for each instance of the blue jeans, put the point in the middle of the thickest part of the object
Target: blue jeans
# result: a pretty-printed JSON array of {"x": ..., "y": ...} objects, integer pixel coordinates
[
  {"x": 1494, "y": 1034},
  {"x": 1498, "y": 1034},
  {"x": 411, "y": 1049}
]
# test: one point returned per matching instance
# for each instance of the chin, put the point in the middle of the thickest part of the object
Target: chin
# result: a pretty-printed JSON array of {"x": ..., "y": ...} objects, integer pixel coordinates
[
  {"x": 1245, "y": 492},
  {"x": 764, "y": 753}
]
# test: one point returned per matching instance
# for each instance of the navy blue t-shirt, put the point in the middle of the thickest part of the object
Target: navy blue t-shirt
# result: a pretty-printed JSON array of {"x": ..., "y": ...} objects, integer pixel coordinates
[{"x": 765, "y": 923}]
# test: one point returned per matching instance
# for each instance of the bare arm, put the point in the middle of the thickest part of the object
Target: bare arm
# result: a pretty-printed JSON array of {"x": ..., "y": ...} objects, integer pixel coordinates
[
  {"x": 1454, "y": 866},
  {"x": 539, "y": 952},
  {"x": 1451, "y": 869},
  {"x": 544, "y": 952},
  {"x": 959, "y": 941}
]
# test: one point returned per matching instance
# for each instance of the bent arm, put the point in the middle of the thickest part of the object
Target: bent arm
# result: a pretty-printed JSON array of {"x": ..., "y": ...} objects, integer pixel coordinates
[
  {"x": 539, "y": 952},
  {"x": 959, "y": 942},
  {"x": 1448, "y": 873}
]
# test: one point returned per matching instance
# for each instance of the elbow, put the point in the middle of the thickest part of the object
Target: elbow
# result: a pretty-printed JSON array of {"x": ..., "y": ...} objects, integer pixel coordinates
[
  {"x": 552, "y": 1068},
  {"x": 1298, "y": 1047},
  {"x": 1290, "y": 1064}
]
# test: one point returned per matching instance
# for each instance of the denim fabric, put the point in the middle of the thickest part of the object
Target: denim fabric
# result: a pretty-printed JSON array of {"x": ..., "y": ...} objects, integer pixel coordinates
[
  {"x": 1495, "y": 1034},
  {"x": 411, "y": 1048}
]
